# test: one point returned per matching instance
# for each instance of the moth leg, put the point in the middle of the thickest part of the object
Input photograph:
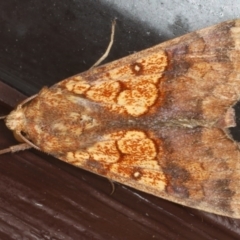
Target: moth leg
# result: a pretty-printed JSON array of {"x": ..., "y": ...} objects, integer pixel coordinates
[
  {"x": 104, "y": 56},
  {"x": 19, "y": 147},
  {"x": 28, "y": 100},
  {"x": 18, "y": 135},
  {"x": 16, "y": 148},
  {"x": 113, "y": 186}
]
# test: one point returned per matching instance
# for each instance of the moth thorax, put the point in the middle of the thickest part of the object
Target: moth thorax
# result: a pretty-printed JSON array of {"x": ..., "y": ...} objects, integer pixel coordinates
[{"x": 16, "y": 120}]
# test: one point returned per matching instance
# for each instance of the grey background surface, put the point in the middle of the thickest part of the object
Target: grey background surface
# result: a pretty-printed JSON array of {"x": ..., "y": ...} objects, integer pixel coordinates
[{"x": 173, "y": 18}]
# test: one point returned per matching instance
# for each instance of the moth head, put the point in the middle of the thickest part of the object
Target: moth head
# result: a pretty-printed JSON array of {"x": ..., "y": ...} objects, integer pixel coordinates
[{"x": 16, "y": 120}]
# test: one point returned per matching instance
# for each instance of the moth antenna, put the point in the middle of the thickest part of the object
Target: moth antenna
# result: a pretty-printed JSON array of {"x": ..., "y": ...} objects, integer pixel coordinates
[
  {"x": 28, "y": 100},
  {"x": 22, "y": 146},
  {"x": 19, "y": 106},
  {"x": 104, "y": 56},
  {"x": 16, "y": 148}
]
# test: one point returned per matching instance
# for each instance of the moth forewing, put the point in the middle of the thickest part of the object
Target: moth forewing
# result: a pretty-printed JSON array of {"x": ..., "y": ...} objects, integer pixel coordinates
[{"x": 157, "y": 120}]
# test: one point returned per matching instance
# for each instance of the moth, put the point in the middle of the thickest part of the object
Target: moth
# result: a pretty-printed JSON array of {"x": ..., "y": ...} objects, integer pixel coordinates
[{"x": 164, "y": 120}]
